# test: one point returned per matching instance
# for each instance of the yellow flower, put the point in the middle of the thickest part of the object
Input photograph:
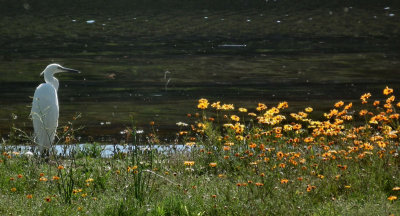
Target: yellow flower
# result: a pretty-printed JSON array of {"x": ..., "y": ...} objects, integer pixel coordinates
[
  {"x": 261, "y": 107},
  {"x": 13, "y": 189},
  {"x": 216, "y": 105},
  {"x": 287, "y": 127},
  {"x": 90, "y": 179},
  {"x": 347, "y": 186},
  {"x": 283, "y": 105},
  {"x": 188, "y": 163},
  {"x": 242, "y": 109},
  {"x": 387, "y": 91},
  {"x": 396, "y": 188},
  {"x": 235, "y": 118},
  {"x": 391, "y": 198},
  {"x": 75, "y": 191},
  {"x": 131, "y": 168},
  {"x": 227, "y": 107},
  {"x": 203, "y": 104},
  {"x": 308, "y": 109},
  {"x": 190, "y": 143}
]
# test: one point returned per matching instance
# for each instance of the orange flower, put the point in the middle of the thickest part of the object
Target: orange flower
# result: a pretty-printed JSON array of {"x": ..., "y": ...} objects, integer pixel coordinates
[
  {"x": 213, "y": 164},
  {"x": 308, "y": 139},
  {"x": 363, "y": 112},
  {"x": 29, "y": 196},
  {"x": 364, "y": 97},
  {"x": 60, "y": 167},
  {"x": 391, "y": 198},
  {"x": 284, "y": 181},
  {"x": 253, "y": 145},
  {"x": 261, "y": 107},
  {"x": 339, "y": 104},
  {"x": 259, "y": 184},
  {"x": 396, "y": 188},
  {"x": 279, "y": 155},
  {"x": 43, "y": 179},
  {"x": 387, "y": 91},
  {"x": 310, "y": 188},
  {"x": 55, "y": 178},
  {"x": 227, "y": 148}
]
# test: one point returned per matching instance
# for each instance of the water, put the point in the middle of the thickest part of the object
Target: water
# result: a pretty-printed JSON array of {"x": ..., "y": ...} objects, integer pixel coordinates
[
  {"x": 235, "y": 56},
  {"x": 107, "y": 151}
]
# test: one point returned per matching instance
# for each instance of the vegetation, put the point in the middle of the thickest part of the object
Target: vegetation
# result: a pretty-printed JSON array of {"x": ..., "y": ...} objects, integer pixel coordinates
[{"x": 236, "y": 161}]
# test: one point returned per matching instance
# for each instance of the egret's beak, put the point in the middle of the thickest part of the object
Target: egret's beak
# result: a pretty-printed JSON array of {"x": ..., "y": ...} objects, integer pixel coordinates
[{"x": 68, "y": 70}]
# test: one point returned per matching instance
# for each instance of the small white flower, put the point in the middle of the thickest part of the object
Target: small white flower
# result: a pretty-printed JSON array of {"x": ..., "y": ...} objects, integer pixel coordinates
[
  {"x": 28, "y": 153},
  {"x": 181, "y": 124}
]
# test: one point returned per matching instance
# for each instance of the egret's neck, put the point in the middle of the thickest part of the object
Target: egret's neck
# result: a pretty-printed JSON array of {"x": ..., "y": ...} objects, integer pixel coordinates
[{"x": 49, "y": 78}]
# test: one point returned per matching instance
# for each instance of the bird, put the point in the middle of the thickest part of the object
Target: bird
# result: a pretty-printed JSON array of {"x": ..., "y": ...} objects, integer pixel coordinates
[{"x": 45, "y": 108}]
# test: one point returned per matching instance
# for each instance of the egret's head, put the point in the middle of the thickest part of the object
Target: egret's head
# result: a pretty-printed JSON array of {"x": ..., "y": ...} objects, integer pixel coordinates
[{"x": 52, "y": 69}]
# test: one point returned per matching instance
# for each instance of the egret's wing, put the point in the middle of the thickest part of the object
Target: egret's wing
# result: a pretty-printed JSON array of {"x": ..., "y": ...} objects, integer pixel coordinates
[{"x": 45, "y": 114}]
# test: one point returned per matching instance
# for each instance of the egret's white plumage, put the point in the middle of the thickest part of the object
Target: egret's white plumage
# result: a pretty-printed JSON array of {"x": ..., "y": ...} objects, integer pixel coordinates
[{"x": 45, "y": 109}]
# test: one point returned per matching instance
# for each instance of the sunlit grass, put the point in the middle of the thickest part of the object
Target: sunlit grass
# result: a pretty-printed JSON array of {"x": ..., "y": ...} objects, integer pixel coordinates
[{"x": 256, "y": 160}]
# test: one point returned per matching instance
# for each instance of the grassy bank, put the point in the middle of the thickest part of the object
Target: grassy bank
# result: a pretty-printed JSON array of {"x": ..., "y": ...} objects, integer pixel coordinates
[{"x": 255, "y": 161}]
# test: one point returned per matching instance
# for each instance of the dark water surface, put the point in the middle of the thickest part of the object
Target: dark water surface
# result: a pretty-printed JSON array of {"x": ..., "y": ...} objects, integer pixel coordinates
[{"x": 308, "y": 58}]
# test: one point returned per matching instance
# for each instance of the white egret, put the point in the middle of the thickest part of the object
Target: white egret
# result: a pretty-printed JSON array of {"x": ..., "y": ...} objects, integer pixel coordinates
[{"x": 45, "y": 107}]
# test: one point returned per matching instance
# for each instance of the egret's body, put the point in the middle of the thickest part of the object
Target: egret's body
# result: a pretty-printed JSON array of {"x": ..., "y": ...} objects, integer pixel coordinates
[{"x": 45, "y": 108}]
